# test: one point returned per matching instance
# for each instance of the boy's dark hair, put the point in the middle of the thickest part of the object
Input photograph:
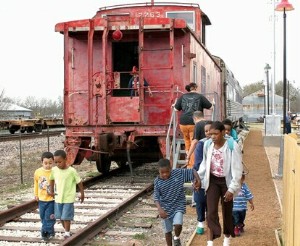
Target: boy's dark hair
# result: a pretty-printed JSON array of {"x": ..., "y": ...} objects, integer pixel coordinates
[
  {"x": 227, "y": 122},
  {"x": 162, "y": 163},
  {"x": 208, "y": 122},
  {"x": 217, "y": 125},
  {"x": 47, "y": 155},
  {"x": 60, "y": 153}
]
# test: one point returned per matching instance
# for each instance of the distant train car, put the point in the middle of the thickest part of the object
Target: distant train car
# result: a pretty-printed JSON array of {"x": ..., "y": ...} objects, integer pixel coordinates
[
  {"x": 107, "y": 121},
  {"x": 30, "y": 125},
  {"x": 232, "y": 95}
]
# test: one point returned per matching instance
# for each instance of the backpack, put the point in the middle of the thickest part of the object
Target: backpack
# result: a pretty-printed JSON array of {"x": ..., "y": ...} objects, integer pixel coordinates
[
  {"x": 190, "y": 103},
  {"x": 230, "y": 142}
]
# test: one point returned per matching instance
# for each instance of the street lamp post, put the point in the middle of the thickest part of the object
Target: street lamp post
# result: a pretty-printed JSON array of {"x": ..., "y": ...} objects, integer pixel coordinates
[
  {"x": 284, "y": 6},
  {"x": 288, "y": 95},
  {"x": 267, "y": 68}
]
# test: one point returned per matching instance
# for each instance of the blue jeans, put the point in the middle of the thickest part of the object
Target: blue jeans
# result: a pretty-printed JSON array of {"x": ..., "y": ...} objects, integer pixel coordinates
[
  {"x": 46, "y": 210},
  {"x": 200, "y": 200},
  {"x": 239, "y": 217}
]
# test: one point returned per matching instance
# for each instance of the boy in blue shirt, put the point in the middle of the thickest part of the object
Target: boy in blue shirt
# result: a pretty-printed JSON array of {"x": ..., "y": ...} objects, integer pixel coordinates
[
  {"x": 240, "y": 207},
  {"x": 169, "y": 197}
]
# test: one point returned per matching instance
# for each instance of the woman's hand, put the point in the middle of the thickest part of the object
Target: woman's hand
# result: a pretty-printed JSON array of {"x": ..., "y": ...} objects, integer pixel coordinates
[{"x": 228, "y": 196}]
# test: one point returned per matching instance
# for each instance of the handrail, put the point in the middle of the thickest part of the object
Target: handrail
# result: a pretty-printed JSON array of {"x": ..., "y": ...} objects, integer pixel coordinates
[
  {"x": 173, "y": 122},
  {"x": 130, "y": 5}
]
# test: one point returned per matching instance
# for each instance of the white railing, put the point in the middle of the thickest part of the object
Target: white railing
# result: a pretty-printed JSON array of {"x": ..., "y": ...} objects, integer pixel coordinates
[{"x": 170, "y": 147}]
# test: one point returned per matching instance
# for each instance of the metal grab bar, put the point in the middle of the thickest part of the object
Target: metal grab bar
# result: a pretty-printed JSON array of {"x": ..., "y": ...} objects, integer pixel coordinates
[{"x": 169, "y": 148}]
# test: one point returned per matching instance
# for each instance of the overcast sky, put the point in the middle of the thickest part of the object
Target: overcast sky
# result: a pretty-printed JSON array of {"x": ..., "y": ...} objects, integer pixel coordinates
[{"x": 31, "y": 53}]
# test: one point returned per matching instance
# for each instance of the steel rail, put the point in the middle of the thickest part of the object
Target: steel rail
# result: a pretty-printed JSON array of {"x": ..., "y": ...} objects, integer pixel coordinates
[
  {"x": 18, "y": 210},
  {"x": 13, "y": 137},
  {"x": 94, "y": 228}
]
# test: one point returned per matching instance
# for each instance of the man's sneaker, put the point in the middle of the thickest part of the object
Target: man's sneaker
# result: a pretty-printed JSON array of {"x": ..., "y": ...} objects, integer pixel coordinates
[
  {"x": 237, "y": 231},
  {"x": 200, "y": 230},
  {"x": 177, "y": 242}
]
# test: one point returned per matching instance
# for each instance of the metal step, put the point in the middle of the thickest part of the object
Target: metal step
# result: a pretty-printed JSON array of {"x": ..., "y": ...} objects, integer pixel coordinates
[{"x": 181, "y": 162}]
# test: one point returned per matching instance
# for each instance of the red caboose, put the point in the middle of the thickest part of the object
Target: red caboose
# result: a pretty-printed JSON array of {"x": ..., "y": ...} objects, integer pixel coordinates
[{"x": 107, "y": 121}]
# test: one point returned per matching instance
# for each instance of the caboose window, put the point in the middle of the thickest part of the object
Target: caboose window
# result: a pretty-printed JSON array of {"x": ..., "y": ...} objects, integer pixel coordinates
[
  {"x": 195, "y": 72},
  {"x": 188, "y": 16}
]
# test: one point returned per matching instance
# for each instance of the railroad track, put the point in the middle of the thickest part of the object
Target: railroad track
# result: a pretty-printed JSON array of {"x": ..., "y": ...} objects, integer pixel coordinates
[
  {"x": 107, "y": 198},
  {"x": 13, "y": 137}
]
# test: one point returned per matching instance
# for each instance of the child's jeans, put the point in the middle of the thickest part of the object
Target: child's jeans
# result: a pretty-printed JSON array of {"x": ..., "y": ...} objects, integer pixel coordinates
[
  {"x": 46, "y": 210},
  {"x": 200, "y": 200},
  {"x": 239, "y": 217}
]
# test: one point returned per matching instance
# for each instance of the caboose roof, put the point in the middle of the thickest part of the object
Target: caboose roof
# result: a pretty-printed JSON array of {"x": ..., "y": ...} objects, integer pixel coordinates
[
  {"x": 154, "y": 17},
  {"x": 149, "y": 4}
]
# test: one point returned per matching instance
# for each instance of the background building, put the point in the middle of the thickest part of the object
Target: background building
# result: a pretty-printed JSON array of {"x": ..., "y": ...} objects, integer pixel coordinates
[
  {"x": 13, "y": 111},
  {"x": 255, "y": 108}
]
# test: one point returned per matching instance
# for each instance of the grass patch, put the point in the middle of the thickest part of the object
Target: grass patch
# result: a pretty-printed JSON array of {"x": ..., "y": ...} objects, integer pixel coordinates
[
  {"x": 92, "y": 174},
  {"x": 139, "y": 236}
]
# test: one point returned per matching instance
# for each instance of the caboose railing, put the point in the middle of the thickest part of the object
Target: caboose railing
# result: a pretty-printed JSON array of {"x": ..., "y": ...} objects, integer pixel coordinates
[{"x": 171, "y": 147}]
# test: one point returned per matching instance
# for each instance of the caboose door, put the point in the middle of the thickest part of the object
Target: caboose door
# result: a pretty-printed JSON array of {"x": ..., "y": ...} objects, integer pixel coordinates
[{"x": 123, "y": 103}]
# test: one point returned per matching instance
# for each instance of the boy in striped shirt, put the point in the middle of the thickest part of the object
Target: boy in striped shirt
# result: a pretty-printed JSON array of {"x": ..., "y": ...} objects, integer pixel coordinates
[
  {"x": 240, "y": 207},
  {"x": 169, "y": 197}
]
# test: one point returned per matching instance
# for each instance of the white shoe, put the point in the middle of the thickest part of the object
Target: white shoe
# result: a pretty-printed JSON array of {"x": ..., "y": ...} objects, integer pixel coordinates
[
  {"x": 226, "y": 241},
  {"x": 210, "y": 243}
]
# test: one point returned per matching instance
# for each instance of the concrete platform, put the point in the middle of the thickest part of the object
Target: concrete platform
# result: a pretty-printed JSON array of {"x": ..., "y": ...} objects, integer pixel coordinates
[{"x": 271, "y": 141}]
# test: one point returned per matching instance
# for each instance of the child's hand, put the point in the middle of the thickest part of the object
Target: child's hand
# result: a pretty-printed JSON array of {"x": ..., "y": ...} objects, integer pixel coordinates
[
  {"x": 197, "y": 184},
  {"x": 162, "y": 214},
  {"x": 81, "y": 198},
  {"x": 252, "y": 206},
  {"x": 51, "y": 193},
  {"x": 36, "y": 198}
]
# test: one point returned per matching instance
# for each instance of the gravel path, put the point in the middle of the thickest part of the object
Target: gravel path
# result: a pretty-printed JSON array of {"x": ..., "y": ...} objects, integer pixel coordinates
[{"x": 266, "y": 218}]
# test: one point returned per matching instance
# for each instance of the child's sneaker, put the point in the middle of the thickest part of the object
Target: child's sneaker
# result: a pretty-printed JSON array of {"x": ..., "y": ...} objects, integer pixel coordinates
[
  {"x": 200, "y": 230},
  {"x": 237, "y": 231},
  {"x": 44, "y": 236},
  {"x": 242, "y": 228},
  {"x": 67, "y": 235},
  {"x": 177, "y": 242}
]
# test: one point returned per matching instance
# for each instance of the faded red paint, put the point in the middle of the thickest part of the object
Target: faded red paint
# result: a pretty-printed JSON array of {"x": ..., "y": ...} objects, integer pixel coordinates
[{"x": 96, "y": 98}]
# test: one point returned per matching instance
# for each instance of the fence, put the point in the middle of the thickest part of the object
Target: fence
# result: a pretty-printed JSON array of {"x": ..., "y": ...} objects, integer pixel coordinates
[{"x": 291, "y": 192}]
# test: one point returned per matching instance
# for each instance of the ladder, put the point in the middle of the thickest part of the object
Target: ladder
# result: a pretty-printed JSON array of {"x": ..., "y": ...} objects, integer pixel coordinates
[{"x": 144, "y": 52}]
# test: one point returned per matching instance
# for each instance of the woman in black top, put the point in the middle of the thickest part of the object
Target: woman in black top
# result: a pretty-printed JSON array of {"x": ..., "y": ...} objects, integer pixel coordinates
[{"x": 188, "y": 103}]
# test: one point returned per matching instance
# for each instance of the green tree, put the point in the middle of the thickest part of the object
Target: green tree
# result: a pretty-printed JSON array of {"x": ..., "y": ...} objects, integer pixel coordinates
[
  {"x": 251, "y": 88},
  {"x": 292, "y": 94}
]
